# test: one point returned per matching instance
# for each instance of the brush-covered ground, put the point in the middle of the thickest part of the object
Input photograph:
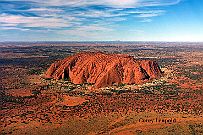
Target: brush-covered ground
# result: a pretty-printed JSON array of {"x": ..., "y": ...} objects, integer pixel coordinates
[{"x": 30, "y": 104}]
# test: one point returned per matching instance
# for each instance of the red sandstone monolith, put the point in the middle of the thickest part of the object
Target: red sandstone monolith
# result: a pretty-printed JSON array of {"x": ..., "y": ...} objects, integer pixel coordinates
[{"x": 103, "y": 69}]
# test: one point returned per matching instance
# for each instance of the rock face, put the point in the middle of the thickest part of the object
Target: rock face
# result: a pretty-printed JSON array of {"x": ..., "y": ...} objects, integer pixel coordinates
[{"x": 103, "y": 69}]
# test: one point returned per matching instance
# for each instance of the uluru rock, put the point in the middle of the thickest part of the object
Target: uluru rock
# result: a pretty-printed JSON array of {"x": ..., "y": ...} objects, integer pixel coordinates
[{"x": 102, "y": 69}]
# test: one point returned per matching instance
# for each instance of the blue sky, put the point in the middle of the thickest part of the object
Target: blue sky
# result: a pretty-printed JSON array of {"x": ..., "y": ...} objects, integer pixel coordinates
[{"x": 101, "y": 20}]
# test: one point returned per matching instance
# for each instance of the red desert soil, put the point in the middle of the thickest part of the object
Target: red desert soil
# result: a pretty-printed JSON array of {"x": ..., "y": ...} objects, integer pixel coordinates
[
  {"x": 147, "y": 126},
  {"x": 103, "y": 69},
  {"x": 19, "y": 92},
  {"x": 72, "y": 101}
]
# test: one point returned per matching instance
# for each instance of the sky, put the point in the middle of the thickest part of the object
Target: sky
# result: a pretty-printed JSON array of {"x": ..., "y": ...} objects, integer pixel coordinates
[{"x": 101, "y": 20}]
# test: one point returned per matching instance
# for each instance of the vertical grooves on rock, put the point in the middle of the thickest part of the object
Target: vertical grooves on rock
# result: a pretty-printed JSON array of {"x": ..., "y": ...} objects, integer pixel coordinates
[{"x": 103, "y": 69}]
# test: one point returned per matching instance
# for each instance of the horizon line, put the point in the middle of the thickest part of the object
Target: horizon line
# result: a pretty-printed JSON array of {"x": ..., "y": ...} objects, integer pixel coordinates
[{"x": 103, "y": 41}]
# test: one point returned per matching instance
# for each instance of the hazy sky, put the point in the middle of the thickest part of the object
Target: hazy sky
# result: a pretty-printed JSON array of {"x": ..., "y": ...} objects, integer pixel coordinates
[{"x": 102, "y": 20}]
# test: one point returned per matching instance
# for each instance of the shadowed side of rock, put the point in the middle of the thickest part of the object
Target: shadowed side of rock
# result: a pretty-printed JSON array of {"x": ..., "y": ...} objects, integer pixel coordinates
[{"x": 103, "y": 69}]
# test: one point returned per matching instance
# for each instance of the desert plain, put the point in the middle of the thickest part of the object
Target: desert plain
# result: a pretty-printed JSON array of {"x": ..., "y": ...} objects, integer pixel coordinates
[{"x": 33, "y": 104}]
